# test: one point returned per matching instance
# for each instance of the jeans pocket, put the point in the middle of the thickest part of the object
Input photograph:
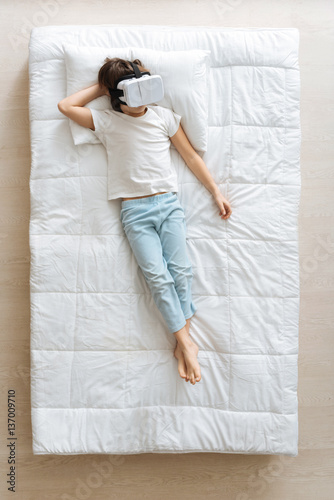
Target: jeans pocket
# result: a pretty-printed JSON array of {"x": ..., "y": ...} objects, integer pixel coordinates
[
  {"x": 121, "y": 217},
  {"x": 124, "y": 210}
]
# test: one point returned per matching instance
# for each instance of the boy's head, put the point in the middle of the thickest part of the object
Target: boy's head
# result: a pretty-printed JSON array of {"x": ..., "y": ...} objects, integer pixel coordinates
[{"x": 113, "y": 69}]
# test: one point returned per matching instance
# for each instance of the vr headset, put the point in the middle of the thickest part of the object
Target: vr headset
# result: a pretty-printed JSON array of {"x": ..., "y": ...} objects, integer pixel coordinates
[{"x": 138, "y": 88}]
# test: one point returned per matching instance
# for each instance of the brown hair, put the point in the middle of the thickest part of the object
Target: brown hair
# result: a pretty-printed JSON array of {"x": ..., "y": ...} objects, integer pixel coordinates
[{"x": 113, "y": 69}]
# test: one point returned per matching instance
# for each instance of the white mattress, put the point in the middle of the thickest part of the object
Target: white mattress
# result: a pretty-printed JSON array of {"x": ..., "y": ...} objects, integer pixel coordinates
[{"x": 103, "y": 375}]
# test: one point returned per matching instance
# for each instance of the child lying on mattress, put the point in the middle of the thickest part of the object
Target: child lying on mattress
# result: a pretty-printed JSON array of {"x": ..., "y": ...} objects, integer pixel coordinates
[{"x": 138, "y": 145}]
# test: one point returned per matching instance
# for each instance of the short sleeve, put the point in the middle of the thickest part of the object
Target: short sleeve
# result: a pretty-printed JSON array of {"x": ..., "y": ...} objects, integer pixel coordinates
[
  {"x": 173, "y": 122},
  {"x": 102, "y": 122}
]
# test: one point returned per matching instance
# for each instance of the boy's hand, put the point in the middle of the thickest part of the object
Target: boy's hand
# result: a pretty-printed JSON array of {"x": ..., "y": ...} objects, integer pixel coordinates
[{"x": 223, "y": 204}]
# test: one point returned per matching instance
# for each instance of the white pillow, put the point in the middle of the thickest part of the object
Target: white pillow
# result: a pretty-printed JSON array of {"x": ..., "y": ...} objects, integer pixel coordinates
[{"x": 185, "y": 77}]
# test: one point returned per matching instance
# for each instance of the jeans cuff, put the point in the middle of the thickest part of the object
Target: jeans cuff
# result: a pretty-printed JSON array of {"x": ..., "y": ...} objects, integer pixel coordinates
[
  {"x": 193, "y": 309},
  {"x": 178, "y": 327}
]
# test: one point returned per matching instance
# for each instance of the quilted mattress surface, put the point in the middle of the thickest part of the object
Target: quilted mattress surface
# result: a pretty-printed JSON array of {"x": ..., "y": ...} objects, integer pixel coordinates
[{"x": 103, "y": 375}]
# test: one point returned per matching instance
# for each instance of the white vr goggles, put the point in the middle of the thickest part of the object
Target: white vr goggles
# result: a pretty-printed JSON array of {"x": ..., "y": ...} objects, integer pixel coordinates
[{"x": 138, "y": 88}]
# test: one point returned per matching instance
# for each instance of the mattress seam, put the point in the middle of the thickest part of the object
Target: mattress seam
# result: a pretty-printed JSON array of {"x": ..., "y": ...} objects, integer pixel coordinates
[
  {"x": 161, "y": 406},
  {"x": 227, "y": 240}
]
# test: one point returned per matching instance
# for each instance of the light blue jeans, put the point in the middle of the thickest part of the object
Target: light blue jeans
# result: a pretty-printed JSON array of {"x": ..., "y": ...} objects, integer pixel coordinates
[{"x": 156, "y": 230}]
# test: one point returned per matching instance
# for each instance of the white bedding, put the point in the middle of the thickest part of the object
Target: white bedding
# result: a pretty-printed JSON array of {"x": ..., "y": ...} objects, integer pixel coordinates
[{"x": 103, "y": 375}]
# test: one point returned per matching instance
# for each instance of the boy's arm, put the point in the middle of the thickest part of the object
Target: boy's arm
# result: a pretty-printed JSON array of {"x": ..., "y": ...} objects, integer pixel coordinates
[
  {"x": 198, "y": 167},
  {"x": 72, "y": 106}
]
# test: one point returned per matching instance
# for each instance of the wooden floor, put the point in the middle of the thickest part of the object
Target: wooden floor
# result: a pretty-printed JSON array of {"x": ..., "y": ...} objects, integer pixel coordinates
[{"x": 197, "y": 475}]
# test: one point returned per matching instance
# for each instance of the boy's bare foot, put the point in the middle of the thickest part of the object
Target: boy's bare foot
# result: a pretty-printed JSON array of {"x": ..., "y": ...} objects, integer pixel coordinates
[
  {"x": 188, "y": 366},
  {"x": 190, "y": 351},
  {"x": 182, "y": 368},
  {"x": 181, "y": 362}
]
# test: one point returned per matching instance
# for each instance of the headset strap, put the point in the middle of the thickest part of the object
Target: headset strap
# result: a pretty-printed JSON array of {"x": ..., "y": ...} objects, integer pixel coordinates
[{"x": 136, "y": 70}]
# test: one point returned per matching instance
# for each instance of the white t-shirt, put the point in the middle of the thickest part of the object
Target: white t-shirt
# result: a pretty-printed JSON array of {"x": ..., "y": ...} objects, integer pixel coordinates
[{"x": 138, "y": 150}]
